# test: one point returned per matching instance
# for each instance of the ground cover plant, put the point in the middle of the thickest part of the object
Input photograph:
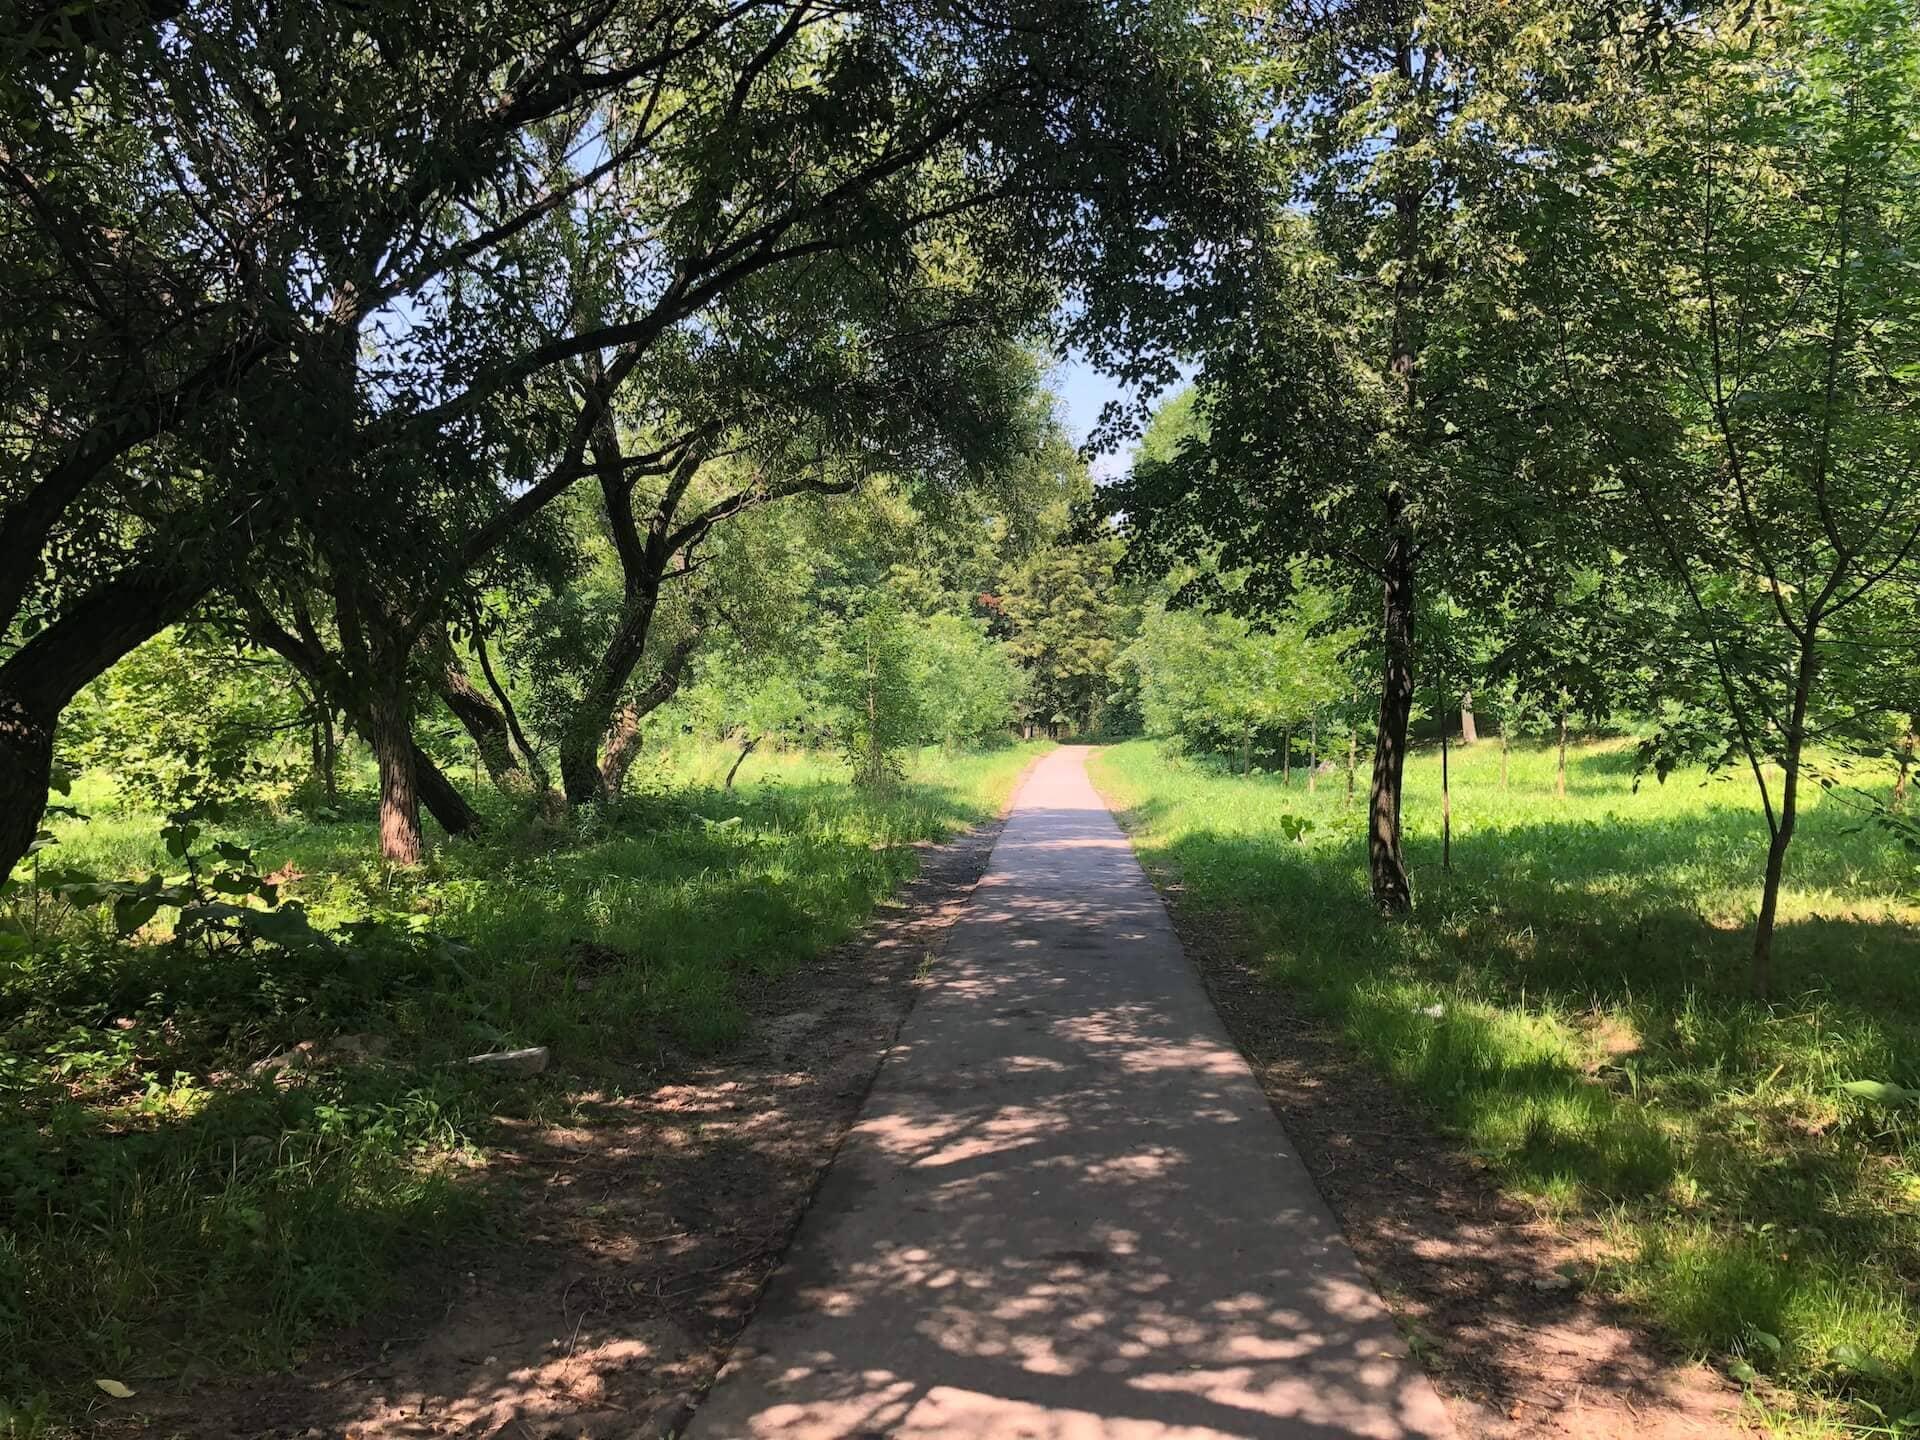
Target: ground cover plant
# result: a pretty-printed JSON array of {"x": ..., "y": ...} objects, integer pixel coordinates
[
  {"x": 187, "y": 1191},
  {"x": 1569, "y": 1002}
]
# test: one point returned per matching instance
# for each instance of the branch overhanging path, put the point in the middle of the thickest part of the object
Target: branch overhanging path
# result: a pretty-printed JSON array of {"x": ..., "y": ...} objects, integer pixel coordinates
[{"x": 1066, "y": 1210}]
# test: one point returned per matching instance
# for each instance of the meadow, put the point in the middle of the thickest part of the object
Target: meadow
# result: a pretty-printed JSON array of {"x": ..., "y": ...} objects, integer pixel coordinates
[
  {"x": 177, "y": 1200},
  {"x": 1569, "y": 1003}
]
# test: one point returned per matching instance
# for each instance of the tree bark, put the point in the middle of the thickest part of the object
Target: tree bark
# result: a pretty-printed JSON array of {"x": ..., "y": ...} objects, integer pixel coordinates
[
  {"x": 1353, "y": 761},
  {"x": 1392, "y": 890},
  {"x": 1313, "y": 756},
  {"x": 40, "y": 679},
  {"x": 1560, "y": 778},
  {"x": 390, "y": 733},
  {"x": 1760, "y": 966},
  {"x": 1908, "y": 745},
  {"x": 329, "y": 755},
  {"x": 1286, "y": 758},
  {"x": 486, "y": 723},
  {"x": 442, "y": 797},
  {"x": 1246, "y": 751},
  {"x": 741, "y": 759},
  {"x": 618, "y": 752},
  {"x": 1469, "y": 732},
  {"x": 1503, "y": 758}
]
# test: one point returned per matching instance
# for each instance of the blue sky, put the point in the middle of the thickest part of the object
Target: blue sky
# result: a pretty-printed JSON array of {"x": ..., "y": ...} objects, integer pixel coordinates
[{"x": 1083, "y": 390}]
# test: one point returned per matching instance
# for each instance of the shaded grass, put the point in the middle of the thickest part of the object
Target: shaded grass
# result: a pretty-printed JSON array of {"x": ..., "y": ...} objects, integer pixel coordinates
[
  {"x": 167, "y": 1211},
  {"x": 1570, "y": 1003}
]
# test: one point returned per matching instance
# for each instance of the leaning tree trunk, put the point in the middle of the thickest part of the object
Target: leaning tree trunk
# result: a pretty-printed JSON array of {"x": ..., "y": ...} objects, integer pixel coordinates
[
  {"x": 487, "y": 726},
  {"x": 1392, "y": 891},
  {"x": 741, "y": 759},
  {"x": 39, "y": 680}
]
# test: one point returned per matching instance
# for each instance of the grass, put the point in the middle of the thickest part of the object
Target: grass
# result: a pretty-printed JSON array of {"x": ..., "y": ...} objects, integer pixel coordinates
[
  {"x": 1570, "y": 1003},
  {"x": 167, "y": 1211}
]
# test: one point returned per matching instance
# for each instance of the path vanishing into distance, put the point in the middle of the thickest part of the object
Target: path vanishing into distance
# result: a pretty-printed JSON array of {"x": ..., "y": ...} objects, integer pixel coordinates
[{"x": 1066, "y": 1211}]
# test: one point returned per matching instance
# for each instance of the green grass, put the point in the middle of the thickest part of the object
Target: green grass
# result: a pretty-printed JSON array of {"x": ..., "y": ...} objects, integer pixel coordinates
[
  {"x": 166, "y": 1213},
  {"x": 1570, "y": 1003}
]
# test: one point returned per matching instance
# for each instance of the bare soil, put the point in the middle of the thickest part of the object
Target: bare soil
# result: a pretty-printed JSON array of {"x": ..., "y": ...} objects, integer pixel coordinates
[
  {"x": 1482, "y": 1286},
  {"x": 635, "y": 1245}
]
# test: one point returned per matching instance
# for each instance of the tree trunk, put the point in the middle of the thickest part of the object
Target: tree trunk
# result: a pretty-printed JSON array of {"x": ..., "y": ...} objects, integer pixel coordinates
[
  {"x": 1469, "y": 732},
  {"x": 486, "y": 724},
  {"x": 1392, "y": 891},
  {"x": 1560, "y": 779},
  {"x": 1446, "y": 802},
  {"x": 390, "y": 733},
  {"x": 1286, "y": 757},
  {"x": 620, "y": 749},
  {"x": 329, "y": 755},
  {"x": 1907, "y": 747},
  {"x": 442, "y": 797},
  {"x": 1503, "y": 759},
  {"x": 1313, "y": 756},
  {"x": 26, "y": 768},
  {"x": 1246, "y": 751},
  {"x": 1353, "y": 761},
  {"x": 1760, "y": 966},
  {"x": 741, "y": 759}
]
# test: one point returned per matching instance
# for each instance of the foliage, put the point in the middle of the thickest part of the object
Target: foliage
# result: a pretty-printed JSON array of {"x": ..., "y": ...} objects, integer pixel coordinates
[
  {"x": 970, "y": 687},
  {"x": 166, "y": 1206},
  {"x": 1068, "y": 623},
  {"x": 868, "y": 677},
  {"x": 190, "y": 720}
]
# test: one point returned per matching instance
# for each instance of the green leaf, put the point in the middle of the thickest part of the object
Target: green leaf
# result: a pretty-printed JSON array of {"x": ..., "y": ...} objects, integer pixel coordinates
[
  {"x": 1743, "y": 1372},
  {"x": 1881, "y": 1092},
  {"x": 130, "y": 912}
]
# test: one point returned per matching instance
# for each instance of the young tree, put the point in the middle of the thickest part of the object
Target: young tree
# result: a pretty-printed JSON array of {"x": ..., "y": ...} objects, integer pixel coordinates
[{"x": 1755, "y": 309}]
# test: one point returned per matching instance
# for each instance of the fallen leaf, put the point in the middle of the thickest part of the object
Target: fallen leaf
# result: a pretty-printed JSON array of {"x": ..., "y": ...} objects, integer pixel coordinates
[{"x": 115, "y": 1389}]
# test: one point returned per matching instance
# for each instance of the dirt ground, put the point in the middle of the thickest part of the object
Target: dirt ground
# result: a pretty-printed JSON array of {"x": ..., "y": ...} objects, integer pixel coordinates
[
  {"x": 638, "y": 1243},
  {"x": 1478, "y": 1283}
]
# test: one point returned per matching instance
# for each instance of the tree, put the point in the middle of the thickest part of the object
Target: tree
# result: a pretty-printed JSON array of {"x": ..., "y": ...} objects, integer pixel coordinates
[
  {"x": 1754, "y": 312},
  {"x": 1373, "y": 404},
  {"x": 1067, "y": 624},
  {"x": 869, "y": 683}
]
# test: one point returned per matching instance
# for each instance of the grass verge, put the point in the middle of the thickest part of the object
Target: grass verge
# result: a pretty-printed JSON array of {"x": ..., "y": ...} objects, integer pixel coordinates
[
  {"x": 1568, "y": 1002},
  {"x": 171, "y": 1208}
]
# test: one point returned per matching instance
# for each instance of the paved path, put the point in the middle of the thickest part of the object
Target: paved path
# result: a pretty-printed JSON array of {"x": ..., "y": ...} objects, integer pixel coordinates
[{"x": 1066, "y": 1212}]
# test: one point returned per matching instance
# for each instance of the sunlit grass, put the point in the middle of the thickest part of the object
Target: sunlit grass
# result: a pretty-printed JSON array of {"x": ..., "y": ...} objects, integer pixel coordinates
[
  {"x": 165, "y": 1213},
  {"x": 1571, "y": 1003}
]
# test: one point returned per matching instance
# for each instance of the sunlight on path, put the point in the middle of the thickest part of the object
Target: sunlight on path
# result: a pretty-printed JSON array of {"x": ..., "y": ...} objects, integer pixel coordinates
[{"x": 1066, "y": 1212}]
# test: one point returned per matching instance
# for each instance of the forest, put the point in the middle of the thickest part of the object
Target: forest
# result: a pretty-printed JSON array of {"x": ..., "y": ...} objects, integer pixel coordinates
[{"x": 523, "y": 525}]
